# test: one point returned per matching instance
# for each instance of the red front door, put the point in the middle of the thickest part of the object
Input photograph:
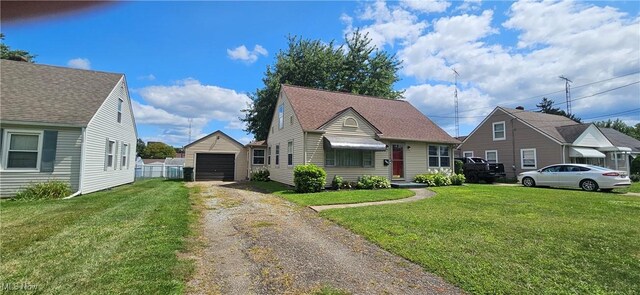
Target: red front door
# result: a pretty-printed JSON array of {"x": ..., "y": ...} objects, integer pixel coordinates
[{"x": 397, "y": 161}]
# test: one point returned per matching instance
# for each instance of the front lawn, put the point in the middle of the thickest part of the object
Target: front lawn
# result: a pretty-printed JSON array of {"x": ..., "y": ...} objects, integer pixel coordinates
[
  {"x": 120, "y": 241},
  {"x": 512, "y": 240},
  {"x": 333, "y": 197}
]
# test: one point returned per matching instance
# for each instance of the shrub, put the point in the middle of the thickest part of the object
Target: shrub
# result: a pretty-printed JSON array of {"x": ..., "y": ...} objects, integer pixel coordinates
[
  {"x": 635, "y": 166},
  {"x": 309, "y": 178},
  {"x": 337, "y": 182},
  {"x": 433, "y": 179},
  {"x": 635, "y": 177},
  {"x": 260, "y": 175},
  {"x": 458, "y": 167},
  {"x": 457, "y": 179},
  {"x": 52, "y": 189},
  {"x": 373, "y": 182}
]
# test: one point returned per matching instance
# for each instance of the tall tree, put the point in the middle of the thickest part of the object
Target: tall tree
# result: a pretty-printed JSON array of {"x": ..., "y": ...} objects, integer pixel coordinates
[
  {"x": 140, "y": 147},
  {"x": 158, "y": 150},
  {"x": 20, "y": 55},
  {"x": 546, "y": 106},
  {"x": 359, "y": 68},
  {"x": 633, "y": 131}
]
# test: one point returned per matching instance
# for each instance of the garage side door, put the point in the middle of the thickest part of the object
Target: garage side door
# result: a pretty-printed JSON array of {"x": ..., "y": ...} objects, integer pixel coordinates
[{"x": 215, "y": 166}]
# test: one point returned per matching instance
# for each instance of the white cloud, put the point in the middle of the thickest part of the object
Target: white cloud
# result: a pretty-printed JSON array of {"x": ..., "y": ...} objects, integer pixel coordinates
[
  {"x": 390, "y": 24},
  {"x": 149, "y": 77},
  {"x": 245, "y": 139},
  {"x": 79, "y": 63},
  {"x": 426, "y": 6},
  {"x": 249, "y": 56},
  {"x": 171, "y": 108},
  {"x": 506, "y": 64},
  {"x": 469, "y": 5}
]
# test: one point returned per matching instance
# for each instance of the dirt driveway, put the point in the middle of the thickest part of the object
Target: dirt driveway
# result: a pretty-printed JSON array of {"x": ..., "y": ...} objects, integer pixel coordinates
[{"x": 257, "y": 243}]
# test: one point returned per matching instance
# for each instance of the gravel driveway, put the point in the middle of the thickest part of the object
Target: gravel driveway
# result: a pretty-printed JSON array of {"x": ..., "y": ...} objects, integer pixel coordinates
[{"x": 257, "y": 243}]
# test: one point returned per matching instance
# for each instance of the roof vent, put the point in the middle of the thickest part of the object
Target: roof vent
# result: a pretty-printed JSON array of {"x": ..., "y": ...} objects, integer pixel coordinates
[{"x": 520, "y": 108}]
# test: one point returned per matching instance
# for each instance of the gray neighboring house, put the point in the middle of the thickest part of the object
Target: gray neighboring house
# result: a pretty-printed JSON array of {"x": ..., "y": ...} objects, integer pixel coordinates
[
  {"x": 71, "y": 125},
  {"x": 524, "y": 141}
]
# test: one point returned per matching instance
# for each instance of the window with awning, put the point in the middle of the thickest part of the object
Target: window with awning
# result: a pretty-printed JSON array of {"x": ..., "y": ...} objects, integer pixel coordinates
[
  {"x": 577, "y": 152},
  {"x": 353, "y": 143}
]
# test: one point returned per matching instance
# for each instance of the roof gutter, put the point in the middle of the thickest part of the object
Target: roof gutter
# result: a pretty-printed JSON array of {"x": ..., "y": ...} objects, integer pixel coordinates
[
  {"x": 31, "y": 123},
  {"x": 82, "y": 156}
]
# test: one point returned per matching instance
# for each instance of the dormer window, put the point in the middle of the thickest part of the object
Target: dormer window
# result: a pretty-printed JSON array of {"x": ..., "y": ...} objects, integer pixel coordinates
[
  {"x": 350, "y": 122},
  {"x": 499, "y": 131},
  {"x": 120, "y": 101}
]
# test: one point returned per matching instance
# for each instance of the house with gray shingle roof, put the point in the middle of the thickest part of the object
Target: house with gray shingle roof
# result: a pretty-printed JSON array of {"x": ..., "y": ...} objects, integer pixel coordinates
[
  {"x": 353, "y": 135},
  {"x": 71, "y": 125},
  {"x": 524, "y": 140}
]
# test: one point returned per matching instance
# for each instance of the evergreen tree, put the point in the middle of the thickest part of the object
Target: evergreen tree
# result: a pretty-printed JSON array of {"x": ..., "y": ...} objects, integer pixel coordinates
[{"x": 546, "y": 106}]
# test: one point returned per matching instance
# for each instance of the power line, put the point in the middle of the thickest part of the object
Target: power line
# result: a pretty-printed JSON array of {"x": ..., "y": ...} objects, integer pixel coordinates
[
  {"x": 567, "y": 91},
  {"x": 546, "y": 94},
  {"x": 613, "y": 114},
  {"x": 579, "y": 98},
  {"x": 601, "y": 92}
]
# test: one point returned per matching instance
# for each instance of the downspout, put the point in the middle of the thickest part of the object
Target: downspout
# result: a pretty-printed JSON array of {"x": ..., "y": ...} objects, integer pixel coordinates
[
  {"x": 563, "y": 154},
  {"x": 82, "y": 154}
]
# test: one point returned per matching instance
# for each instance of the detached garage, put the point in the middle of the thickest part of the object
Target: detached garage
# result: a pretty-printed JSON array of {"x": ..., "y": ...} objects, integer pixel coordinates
[{"x": 217, "y": 156}]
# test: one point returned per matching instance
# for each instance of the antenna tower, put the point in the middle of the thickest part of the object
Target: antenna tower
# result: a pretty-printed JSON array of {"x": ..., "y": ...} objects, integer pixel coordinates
[
  {"x": 567, "y": 91},
  {"x": 455, "y": 97}
]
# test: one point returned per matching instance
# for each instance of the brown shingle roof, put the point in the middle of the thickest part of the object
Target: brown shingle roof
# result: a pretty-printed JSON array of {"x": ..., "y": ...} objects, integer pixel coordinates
[
  {"x": 545, "y": 123},
  {"x": 48, "y": 94},
  {"x": 571, "y": 132},
  {"x": 257, "y": 143},
  {"x": 394, "y": 118}
]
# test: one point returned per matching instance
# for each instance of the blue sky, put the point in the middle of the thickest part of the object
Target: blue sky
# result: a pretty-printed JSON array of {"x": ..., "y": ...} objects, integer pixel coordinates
[{"x": 199, "y": 60}]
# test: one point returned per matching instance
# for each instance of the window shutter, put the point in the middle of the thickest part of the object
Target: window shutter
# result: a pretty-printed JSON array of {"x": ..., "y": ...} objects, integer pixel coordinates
[
  {"x": 115, "y": 155},
  {"x": 106, "y": 154},
  {"x": 49, "y": 144},
  {"x": 1, "y": 147},
  {"x": 122, "y": 154}
]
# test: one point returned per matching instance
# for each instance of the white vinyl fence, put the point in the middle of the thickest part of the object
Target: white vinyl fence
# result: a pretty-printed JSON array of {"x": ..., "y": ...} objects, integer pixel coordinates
[{"x": 155, "y": 171}]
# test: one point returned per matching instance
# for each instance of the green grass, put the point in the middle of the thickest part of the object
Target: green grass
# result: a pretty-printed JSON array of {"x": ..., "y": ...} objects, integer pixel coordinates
[
  {"x": 120, "y": 241},
  {"x": 634, "y": 188},
  {"x": 333, "y": 197},
  {"x": 513, "y": 240}
]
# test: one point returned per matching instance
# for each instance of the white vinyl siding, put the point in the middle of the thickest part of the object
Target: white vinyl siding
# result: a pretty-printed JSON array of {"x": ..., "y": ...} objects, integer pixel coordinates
[
  {"x": 491, "y": 156},
  {"x": 499, "y": 131},
  {"x": 23, "y": 150},
  {"x": 66, "y": 164},
  {"x": 439, "y": 156},
  {"x": 528, "y": 159},
  {"x": 280, "y": 171},
  {"x": 467, "y": 154},
  {"x": 102, "y": 127}
]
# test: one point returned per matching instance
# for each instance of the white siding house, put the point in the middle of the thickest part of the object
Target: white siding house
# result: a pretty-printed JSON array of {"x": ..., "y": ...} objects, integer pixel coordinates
[{"x": 64, "y": 124}]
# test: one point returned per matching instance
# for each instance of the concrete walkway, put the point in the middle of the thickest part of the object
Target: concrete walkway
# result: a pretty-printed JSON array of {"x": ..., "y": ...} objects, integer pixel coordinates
[{"x": 420, "y": 194}]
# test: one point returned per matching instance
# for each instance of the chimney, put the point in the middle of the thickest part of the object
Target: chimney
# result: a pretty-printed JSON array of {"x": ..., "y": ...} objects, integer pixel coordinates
[{"x": 520, "y": 108}]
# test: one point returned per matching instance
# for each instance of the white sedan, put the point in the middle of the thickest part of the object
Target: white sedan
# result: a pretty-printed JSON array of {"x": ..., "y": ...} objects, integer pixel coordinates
[{"x": 586, "y": 177}]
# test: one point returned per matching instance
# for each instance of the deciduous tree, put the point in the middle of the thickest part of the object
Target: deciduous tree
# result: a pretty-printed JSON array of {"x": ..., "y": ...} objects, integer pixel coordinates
[{"x": 355, "y": 67}]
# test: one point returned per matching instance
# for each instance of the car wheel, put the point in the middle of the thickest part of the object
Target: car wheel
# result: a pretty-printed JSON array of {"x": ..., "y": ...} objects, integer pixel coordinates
[
  {"x": 528, "y": 182},
  {"x": 589, "y": 185},
  {"x": 472, "y": 178}
]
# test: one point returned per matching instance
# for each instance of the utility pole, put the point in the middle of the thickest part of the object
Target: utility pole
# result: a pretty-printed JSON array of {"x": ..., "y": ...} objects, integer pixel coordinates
[
  {"x": 455, "y": 97},
  {"x": 567, "y": 91}
]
